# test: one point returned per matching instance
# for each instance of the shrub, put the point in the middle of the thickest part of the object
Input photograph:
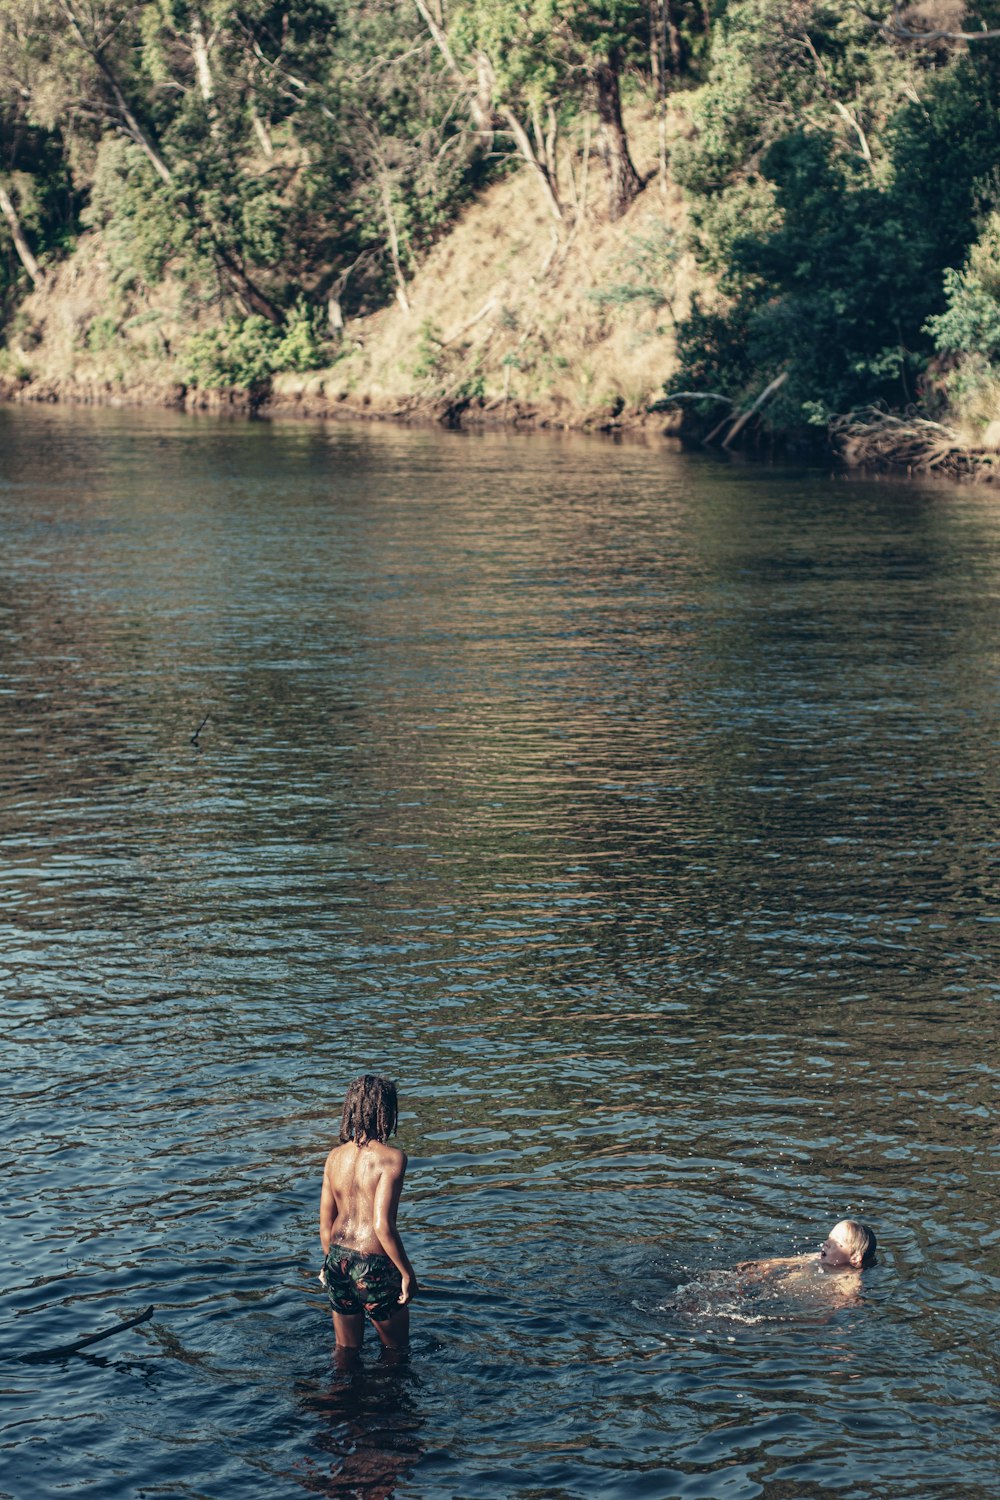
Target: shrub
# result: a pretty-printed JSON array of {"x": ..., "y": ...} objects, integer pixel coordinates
[
  {"x": 970, "y": 323},
  {"x": 101, "y": 334},
  {"x": 244, "y": 353}
]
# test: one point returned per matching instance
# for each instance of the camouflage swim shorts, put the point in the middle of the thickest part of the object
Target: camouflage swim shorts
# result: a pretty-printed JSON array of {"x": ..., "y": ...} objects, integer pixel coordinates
[{"x": 361, "y": 1283}]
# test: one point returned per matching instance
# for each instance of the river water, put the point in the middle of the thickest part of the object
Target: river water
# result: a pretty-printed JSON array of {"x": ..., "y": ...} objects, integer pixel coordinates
[{"x": 639, "y": 814}]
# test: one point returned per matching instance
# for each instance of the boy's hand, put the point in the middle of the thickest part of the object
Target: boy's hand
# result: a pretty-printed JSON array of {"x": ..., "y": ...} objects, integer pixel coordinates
[{"x": 410, "y": 1289}]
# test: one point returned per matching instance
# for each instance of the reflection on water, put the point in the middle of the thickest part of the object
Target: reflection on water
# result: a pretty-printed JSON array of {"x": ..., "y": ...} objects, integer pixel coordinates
[
  {"x": 639, "y": 814},
  {"x": 368, "y": 1421}
]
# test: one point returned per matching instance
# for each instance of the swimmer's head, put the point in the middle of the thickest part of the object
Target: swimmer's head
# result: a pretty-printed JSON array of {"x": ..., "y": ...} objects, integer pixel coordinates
[
  {"x": 848, "y": 1246},
  {"x": 371, "y": 1110}
]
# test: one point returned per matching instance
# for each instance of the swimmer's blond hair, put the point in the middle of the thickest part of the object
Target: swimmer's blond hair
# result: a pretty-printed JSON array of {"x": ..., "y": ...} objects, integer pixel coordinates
[{"x": 861, "y": 1240}]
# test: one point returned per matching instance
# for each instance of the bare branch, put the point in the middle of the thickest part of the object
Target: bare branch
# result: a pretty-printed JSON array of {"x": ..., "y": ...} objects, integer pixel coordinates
[
  {"x": 25, "y": 256},
  {"x": 841, "y": 108},
  {"x": 441, "y": 41},
  {"x": 744, "y": 417}
]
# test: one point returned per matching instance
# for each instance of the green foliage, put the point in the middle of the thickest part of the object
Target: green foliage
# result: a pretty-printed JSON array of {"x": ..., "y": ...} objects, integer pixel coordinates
[
  {"x": 471, "y": 389},
  {"x": 240, "y": 355},
  {"x": 136, "y": 214},
  {"x": 942, "y": 151},
  {"x": 430, "y": 354},
  {"x": 268, "y": 155},
  {"x": 828, "y": 295},
  {"x": 831, "y": 205},
  {"x": 36, "y": 180},
  {"x": 302, "y": 345},
  {"x": 101, "y": 334},
  {"x": 777, "y": 64},
  {"x": 967, "y": 333},
  {"x": 646, "y": 269},
  {"x": 244, "y": 353},
  {"x": 971, "y": 323}
]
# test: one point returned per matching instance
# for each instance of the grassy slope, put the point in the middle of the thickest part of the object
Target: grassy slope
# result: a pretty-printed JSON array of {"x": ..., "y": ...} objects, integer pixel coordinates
[{"x": 544, "y": 350}]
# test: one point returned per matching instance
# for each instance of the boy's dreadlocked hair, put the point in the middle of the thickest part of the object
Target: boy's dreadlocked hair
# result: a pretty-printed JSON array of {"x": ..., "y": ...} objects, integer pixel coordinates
[{"x": 371, "y": 1110}]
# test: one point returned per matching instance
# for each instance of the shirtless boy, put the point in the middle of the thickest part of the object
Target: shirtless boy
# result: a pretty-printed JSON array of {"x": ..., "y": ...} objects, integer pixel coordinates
[
  {"x": 850, "y": 1246},
  {"x": 365, "y": 1268}
]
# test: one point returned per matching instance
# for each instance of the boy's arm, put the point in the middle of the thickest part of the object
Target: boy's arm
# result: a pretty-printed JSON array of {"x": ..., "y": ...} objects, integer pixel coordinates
[
  {"x": 327, "y": 1213},
  {"x": 390, "y": 1185}
]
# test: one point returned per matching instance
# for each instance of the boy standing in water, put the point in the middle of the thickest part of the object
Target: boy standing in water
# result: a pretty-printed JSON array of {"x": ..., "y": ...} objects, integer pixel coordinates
[{"x": 365, "y": 1268}]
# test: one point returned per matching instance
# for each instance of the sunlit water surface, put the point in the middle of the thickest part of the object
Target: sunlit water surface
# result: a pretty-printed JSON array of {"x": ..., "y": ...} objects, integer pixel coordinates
[{"x": 640, "y": 815}]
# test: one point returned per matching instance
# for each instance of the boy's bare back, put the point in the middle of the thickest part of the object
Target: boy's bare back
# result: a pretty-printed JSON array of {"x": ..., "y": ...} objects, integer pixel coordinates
[{"x": 361, "y": 1188}]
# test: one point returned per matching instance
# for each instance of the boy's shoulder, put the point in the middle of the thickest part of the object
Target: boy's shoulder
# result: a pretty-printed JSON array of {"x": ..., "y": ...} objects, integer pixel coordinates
[{"x": 393, "y": 1157}]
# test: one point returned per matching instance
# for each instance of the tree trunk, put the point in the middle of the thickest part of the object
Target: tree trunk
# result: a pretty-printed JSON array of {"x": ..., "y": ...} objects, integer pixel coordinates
[
  {"x": 551, "y": 155},
  {"x": 202, "y": 67},
  {"x": 585, "y": 167},
  {"x": 436, "y": 29},
  {"x": 27, "y": 260},
  {"x": 253, "y": 299},
  {"x": 262, "y": 133},
  {"x": 390, "y": 223},
  {"x": 483, "y": 114},
  {"x": 658, "y": 58},
  {"x": 95, "y": 51},
  {"x": 674, "y": 36},
  {"x": 624, "y": 182}
]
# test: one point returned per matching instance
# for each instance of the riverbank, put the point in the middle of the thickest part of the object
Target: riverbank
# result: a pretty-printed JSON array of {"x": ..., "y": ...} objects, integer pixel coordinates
[
  {"x": 511, "y": 321},
  {"x": 873, "y": 442}
]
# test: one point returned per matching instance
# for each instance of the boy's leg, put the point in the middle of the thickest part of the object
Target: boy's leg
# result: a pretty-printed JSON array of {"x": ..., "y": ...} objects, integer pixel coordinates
[
  {"x": 349, "y": 1329},
  {"x": 394, "y": 1331}
]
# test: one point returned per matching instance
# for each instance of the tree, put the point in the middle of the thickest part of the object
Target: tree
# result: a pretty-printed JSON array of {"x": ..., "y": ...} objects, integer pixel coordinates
[{"x": 36, "y": 203}]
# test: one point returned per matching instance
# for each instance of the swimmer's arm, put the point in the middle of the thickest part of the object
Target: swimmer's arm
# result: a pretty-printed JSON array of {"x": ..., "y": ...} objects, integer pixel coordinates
[
  {"x": 327, "y": 1214},
  {"x": 775, "y": 1263},
  {"x": 390, "y": 1185}
]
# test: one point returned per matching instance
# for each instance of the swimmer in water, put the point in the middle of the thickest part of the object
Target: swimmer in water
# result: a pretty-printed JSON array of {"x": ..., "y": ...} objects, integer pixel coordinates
[
  {"x": 365, "y": 1268},
  {"x": 848, "y": 1249}
]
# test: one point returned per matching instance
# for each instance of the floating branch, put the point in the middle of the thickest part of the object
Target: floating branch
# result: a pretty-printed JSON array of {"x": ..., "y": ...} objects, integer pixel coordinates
[{"x": 62, "y": 1350}]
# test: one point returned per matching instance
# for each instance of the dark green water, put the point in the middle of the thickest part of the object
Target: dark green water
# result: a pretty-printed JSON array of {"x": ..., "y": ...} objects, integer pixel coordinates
[{"x": 640, "y": 815}]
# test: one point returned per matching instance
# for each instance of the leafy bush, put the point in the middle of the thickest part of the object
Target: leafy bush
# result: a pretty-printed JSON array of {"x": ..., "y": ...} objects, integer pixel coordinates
[
  {"x": 430, "y": 354},
  {"x": 828, "y": 296},
  {"x": 303, "y": 343},
  {"x": 244, "y": 353},
  {"x": 136, "y": 214},
  {"x": 970, "y": 323},
  {"x": 101, "y": 334},
  {"x": 833, "y": 264}
]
